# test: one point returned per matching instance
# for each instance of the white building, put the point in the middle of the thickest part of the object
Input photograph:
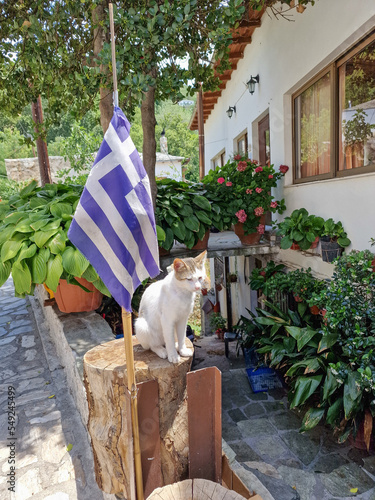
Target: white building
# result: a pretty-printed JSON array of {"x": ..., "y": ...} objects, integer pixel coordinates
[{"x": 315, "y": 71}]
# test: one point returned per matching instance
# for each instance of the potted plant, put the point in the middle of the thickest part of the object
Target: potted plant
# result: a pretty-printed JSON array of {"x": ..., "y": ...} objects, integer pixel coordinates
[
  {"x": 333, "y": 240},
  {"x": 260, "y": 276},
  {"x": 34, "y": 246},
  {"x": 300, "y": 231},
  {"x": 184, "y": 213},
  {"x": 356, "y": 132},
  {"x": 218, "y": 323},
  {"x": 242, "y": 190}
]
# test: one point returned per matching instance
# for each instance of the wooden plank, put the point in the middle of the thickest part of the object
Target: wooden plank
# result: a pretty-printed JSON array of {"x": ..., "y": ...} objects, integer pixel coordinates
[
  {"x": 149, "y": 435},
  {"x": 226, "y": 473},
  {"x": 239, "y": 487},
  {"x": 204, "y": 423}
]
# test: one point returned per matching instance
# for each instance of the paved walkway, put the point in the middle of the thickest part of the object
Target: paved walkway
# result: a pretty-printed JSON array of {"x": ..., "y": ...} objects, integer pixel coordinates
[
  {"x": 46, "y": 444},
  {"x": 264, "y": 438}
]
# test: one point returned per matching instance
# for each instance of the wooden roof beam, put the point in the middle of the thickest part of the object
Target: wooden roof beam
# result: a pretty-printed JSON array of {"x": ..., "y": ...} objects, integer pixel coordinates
[
  {"x": 250, "y": 23},
  {"x": 236, "y": 55},
  {"x": 241, "y": 39}
]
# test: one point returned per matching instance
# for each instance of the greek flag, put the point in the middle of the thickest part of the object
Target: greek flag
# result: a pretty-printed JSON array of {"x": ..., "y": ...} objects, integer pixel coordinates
[{"x": 114, "y": 224}]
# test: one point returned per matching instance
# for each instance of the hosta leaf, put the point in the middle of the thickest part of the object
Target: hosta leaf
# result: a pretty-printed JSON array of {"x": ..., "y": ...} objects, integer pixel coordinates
[
  {"x": 90, "y": 274},
  {"x": 21, "y": 277},
  {"x": 202, "y": 216},
  {"x": 38, "y": 224},
  {"x": 57, "y": 244},
  {"x": 192, "y": 223},
  {"x": 169, "y": 238},
  {"x": 61, "y": 209},
  {"x": 101, "y": 287},
  {"x": 160, "y": 233},
  {"x": 37, "y": 202},
  {"x": 190, "y": 240},
  {"x": 312, "y": 417},
  {"x": 201, "y": 232},
  {"x": 5, "y": 269},
  {"x": 55, "y": 224},
  {"x": 10, "y": 249},
  {"x": 26, "y": 191},
  {"x": 39, "y": 267},
  {"x": 334, "y": 412},
  {"x": 41, "y": 237},
  {"x": 23, "y": 226},
  {"x": 54, "y": 272},
  {"x": 15, "y": 217},
  {"x": 27, "y": 251},
  {"x": 6, "y": 233},
  {"x": 186, "y": 211},
  {"x": 178, "y": 228},
  {"x": 304, "y": 388},
  {"x": 74, "y": 262},
  {"x": 202, "y": 202}
]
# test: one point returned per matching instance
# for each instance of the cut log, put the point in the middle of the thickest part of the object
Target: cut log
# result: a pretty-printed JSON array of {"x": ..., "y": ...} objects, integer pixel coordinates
[
  {"x": 195, "y": 489},
  {"x": 110, "y": 417}
]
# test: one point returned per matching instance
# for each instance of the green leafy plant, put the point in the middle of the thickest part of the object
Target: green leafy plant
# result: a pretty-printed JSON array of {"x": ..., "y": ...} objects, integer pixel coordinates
[
  {"x": 357, "y": 130},
  {"x": 334, "y": 231},
  {"x": 259, "y": 276},
  {"x": 183, "y": 212},
  {"x": 242, "y": 190},
  {"x": 217, "y": 322},
  {"x": 34, "y": 246},
  {"x": 300, "y": 228}
]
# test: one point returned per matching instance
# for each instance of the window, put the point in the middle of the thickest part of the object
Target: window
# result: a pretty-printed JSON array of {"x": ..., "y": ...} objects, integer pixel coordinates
[
  {"x": 264, "y": 141},
  {"x": 219, "y": 160},
  {"x": 334, "y": 118},
  {"x": 242, "y": 144}
]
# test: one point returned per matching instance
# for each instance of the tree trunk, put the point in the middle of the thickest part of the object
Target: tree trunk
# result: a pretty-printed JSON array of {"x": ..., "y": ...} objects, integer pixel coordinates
[
  {"x": 149, "y": 142},
  {"x": 110, "y": 418},
  {"x": 101, "y": 35},
  {"x": 43, "y": 159}
]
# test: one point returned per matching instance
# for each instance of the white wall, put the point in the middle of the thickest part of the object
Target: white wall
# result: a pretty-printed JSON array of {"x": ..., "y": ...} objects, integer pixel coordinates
[
  {"x": 171, "y": 170},
  {"x": 286, "y": 54}
]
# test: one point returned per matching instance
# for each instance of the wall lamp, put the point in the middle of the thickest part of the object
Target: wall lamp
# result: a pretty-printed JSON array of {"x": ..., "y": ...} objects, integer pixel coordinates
[
  {"x": 230, "y": 111},
  {"x": 251, "y": 83}
]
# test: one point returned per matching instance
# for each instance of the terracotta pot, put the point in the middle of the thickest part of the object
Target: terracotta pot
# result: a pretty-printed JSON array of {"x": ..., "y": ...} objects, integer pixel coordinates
[
  {"x": 297, "y": 298},
  {"x": 202, "y": 244},
  {"x": 314, "y": 310},
  {"x": 323, "y": 312},
  {"x": 359, "y": 440},
  {"x": 204, "y": 291},
  {"x": 246, "y": 239},
  {"x": 71, "y": 298},
  {"x": 217, "y": 307},
  {"x": 314, "y": 244},
  {"x": 162, "y": 252}
]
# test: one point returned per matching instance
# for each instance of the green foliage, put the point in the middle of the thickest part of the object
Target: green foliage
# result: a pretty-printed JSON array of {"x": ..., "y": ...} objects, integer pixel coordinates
[
  {"x": 12, "y": 146},
  {"x": 242, "y": 190},
  {"x": 217, "y": 322},
  {"x": 300, "y": 228},
  {"x": 335, "y": 232},
  {"x": 357, "y": 129},
  {"x": 8, "y": 187},
  {"x": 260, "y": 276},
  {"x": 34, "y": 246}
]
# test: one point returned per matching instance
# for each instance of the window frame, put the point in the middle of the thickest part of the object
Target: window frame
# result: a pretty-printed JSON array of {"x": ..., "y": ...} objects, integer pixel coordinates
[
  {"x": 332, "y": 68},
  {"x": 243, "y": 136},
  {"x": 219, "y": 158}
]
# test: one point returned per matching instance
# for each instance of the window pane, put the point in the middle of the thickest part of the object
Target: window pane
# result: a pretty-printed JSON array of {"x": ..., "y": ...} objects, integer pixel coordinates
[
  {"x": 242, "y": 145},
  {"x": 312, "y": 133},
  {"x": 357, "y": 110}
]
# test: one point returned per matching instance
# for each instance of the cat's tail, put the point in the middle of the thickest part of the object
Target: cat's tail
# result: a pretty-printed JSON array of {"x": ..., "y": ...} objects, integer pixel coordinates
[{"x": 142, "y": 332}]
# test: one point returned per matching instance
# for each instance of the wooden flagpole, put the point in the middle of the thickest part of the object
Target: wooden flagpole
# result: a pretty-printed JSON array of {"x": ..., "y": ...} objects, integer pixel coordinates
[{"x": 127, "y": 319}]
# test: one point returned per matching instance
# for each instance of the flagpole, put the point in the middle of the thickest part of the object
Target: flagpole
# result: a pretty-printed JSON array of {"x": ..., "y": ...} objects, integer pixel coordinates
[{"x": 127, "y": 317}]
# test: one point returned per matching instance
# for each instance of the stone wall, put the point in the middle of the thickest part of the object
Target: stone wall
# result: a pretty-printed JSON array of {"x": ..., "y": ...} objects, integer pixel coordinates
[{"x": 24, "y": 169}]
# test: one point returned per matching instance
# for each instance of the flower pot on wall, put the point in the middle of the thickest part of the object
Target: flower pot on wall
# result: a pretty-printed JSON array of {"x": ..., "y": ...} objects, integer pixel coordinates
[
  {"x": 202, "y": 244},
  {"x": 246, "y": 239},
  {"x": 71, "y": 298},
  {"x": 330, "y": 250},
  {"x": 314, "y": 244}
]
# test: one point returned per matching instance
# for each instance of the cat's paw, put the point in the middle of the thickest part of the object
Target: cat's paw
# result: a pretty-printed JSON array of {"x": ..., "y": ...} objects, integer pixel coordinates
[
  {"x": 161, "y": 352},
  {"x": 186, "y": 352},
  {"x": 174, "y": 358}
]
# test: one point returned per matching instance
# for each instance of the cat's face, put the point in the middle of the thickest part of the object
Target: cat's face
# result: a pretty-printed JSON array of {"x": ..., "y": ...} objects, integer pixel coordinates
[{"x": 191, "y": 272}]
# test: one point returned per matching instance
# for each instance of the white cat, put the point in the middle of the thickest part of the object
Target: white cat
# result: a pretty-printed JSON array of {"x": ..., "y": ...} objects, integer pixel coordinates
[{"x": 165, "y": 308}]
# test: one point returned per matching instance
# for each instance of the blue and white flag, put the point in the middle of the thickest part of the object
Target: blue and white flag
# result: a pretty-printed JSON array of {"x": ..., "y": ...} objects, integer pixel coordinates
[{"x": 114, "y": 223}]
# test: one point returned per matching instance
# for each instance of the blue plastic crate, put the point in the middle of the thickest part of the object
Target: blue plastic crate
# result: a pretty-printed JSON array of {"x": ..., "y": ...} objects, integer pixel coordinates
[{"x": 262, "y": 379}]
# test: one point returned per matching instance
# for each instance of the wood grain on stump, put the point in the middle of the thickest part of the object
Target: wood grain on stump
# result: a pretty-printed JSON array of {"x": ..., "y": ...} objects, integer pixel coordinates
[
  {"x": 194, "y": 489},
  {"x": 110, "y": 416}
]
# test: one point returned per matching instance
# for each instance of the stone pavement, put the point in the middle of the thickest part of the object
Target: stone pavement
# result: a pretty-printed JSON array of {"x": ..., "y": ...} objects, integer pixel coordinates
[
  {"x": 48, "y": 442},
  {"x": 262, "y": 436}
]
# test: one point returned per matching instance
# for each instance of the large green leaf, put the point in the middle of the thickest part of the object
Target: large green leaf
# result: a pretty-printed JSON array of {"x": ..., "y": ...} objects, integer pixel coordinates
[
  {"x": 23, "y": 226},
  {"x": 57, "y": 243},
  {"x": 54, "y": 272},
  {"x": 202, "y": 216},
  {"x": 265, "y": 321},
  {"x": 101, "y": 287},
  {"x": 178, "y": 228},
  {"x": 304, "y": 388},
  {"x": 90, "y": 274},
  {"x": 10, "y": 249},
  {"x": 285, "y": 243},
  {"x": 27, "y": 251},
  {"x": 74, "y": 262},
  {"x": 352, "y": 393},
  {"x": 334, "y": 412},
  {"x": 55, "y": 224},
  {"x": 37, "y": 202},
  {"x": 21, "y": 277},
  {"x": 312, "y": 417},
  {"x": 15, "y": 217},
  {"x": 6, "y": 233},
  {"x": 186, "y": 211},
  {"x": 160, "y": 233},
  {"x": 330, "y": 385},
  {"x": 26, "y": 191},
  {"x": 41, "y": 237},
  {"x": 169, "y": 238},
  {"x": 61, "y": 209},
  {"x": 327, "y": 341},
  {"x": 192, "y": 223},
  {"x": 202, "y": 202},
  {"x": 39, "y": 267},
  {"x": 5, "y": 269},
  {"x": 302, "y": 335},
  {"x": 38, "y": 224}
]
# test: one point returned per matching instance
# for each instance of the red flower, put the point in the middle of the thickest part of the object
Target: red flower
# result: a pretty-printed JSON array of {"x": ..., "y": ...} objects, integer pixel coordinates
[
  {"x": 237, "y": 157},
  {"x": 259, "y": 211},
  {"x": 261, "y": 228},
  {"x": 270, "y": 176},
  {"x": 258, "y": 190},
  {"x": 284, "y": 169},
  {"x": 221, "y": 180},
  {"x": 241, "y": 215},
  {"x": 273, "y": 204},
  {"x": 255, "y": 161},
  {"x": 249, "y": 191},
  {"x": 258, "y": 169},
  {"x": 241, "y": 166},
  {"x": 229, "y": 184}
]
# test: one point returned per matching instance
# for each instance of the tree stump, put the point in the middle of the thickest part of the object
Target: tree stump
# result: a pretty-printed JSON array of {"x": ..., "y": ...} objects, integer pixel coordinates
[
  {"x": 110, "y": 416},
  {"x": 195, "y": 489}
]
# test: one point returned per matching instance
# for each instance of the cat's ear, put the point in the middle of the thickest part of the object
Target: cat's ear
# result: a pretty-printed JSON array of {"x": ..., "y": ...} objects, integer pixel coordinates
[
  {"x": 201, "y": 258},
  {"x": 178, "y": 265}
]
